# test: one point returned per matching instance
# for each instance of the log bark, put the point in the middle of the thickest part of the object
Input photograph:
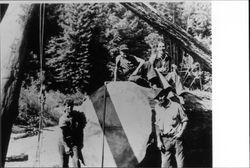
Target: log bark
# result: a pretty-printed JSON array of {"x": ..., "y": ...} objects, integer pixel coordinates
[
  {"x": 14, "y": 30},
  {"x": 17, "y": 158},
  {"x": 199, "y": 52}
]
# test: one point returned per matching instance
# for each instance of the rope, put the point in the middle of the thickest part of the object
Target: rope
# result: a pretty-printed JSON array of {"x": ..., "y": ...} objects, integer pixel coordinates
[
  {"x": 42, "y": 91},
  {"x": 103, "y": 123}
]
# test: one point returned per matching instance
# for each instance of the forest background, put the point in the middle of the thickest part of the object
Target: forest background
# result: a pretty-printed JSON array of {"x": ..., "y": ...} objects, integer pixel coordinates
[{"x": 81, "y": 43}]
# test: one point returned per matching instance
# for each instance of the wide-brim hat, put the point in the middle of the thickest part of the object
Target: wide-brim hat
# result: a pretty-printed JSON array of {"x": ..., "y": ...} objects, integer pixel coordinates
[
  {"x": 166, "y": 92},
  {"x": 123, "y": 47}
]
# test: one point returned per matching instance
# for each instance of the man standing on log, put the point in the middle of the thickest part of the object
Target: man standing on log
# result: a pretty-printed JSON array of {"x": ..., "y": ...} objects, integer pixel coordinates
[
  {"x": 70, "y": 143},
  {"x": 172, "y": 122}
]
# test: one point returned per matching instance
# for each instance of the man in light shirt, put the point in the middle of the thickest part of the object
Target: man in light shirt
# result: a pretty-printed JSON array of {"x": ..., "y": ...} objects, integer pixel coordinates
[{"x": 172, "y": 122}]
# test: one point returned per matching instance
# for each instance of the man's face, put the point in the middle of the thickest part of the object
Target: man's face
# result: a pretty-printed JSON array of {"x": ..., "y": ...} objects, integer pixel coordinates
[
  {"x": 124, "y": 53},
  {"x": 160, "y": 49},
  {"x": 163, "y": 101},
  {"x": 68, "y": 108}
]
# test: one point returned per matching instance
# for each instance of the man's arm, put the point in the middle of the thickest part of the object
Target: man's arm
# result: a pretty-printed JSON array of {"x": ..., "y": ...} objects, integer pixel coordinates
[
  {"x": 116, "y": 67},
  {"x": 180, "y": 133},
  {"x": 66, "y": 140},
  {"x": 65, "y": 134},
  {"x": 184, "y": 121},
  {"x": 159, "y": 126},
  {"x": 162, "y": 68},
  {"x": 158, "y": 136},
  {"x": 141, "y": 62},
  {"x": 83, "y": 122}
]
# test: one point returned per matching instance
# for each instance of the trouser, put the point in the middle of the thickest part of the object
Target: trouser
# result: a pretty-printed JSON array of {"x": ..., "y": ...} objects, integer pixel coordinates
[
  {"x": 64, "y": 158},
  {"x": 172, "y": 147}
]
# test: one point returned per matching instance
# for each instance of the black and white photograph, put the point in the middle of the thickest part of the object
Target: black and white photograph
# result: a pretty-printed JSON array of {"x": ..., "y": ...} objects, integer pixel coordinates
[{"x": 106, "y": 84}]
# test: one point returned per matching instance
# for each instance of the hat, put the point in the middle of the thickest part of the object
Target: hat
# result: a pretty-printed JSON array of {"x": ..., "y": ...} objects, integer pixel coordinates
[
  {"x": 174, "y": 66},
  {"x": 68, "y": 101},
  {"x": 166, "y": 92},
  {"x": 123, "y": 47}
]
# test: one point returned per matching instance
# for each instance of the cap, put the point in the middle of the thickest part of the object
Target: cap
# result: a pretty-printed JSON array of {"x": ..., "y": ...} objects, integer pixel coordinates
[{"x": 123, "y": 47}]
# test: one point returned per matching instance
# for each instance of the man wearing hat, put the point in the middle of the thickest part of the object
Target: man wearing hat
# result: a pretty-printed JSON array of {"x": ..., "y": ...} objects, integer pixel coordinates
[
  {"x": 126, "y": 65},
  {"x": 71, "y": 125},
  {"x": 171, "y": 121}
]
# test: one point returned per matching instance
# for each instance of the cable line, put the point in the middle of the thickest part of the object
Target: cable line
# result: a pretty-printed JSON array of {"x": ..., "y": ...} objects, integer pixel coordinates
[{"x": 42, "y": 89}]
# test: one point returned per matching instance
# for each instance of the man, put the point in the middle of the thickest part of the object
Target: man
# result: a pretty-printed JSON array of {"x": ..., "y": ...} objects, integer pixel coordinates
[
  {"x": 126, "y": 65},
  {"x": 71, "y": 125},
  {"x": 155, "y": 65},
  {"x": 172, "y": 122},
  {"x": 174, "y": 79},
  {"x": 187, "y": 61},
  {"x": 187, "y": 65}
]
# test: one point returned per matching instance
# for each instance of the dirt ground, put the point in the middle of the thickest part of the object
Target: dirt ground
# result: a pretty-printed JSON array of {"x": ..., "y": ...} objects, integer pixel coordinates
[{"x": 49, "y": 156}]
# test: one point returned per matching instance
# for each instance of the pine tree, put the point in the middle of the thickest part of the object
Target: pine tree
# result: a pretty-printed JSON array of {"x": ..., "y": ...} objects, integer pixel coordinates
[{"x": 68, "y": 54}]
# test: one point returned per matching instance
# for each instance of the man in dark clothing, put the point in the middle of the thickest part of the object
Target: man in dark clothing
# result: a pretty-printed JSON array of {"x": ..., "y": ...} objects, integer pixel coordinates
[
  {"x": 71, "y": 125},
  {"x": 127, "y": 65}
]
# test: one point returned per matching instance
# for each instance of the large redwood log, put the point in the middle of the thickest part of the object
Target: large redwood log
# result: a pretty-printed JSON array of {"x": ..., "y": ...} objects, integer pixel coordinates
[
  {"x": 14, "y": 30},
  {"x": 199, "y": 52}
]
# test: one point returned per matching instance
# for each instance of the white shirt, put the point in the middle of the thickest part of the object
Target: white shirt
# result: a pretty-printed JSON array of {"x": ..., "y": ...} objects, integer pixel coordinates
[{"x": 170, "y": 119}]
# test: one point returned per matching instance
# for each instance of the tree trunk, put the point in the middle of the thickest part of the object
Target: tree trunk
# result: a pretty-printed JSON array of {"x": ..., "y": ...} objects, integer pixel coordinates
[
  {"x": 198, "y": 51},
  {"x": 14, "y": 29}
]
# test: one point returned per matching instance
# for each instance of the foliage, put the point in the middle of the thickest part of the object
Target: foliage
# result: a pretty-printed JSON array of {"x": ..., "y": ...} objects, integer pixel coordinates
[
  {"x": 68, "y": 53},
  {"x": 51, "y": 28},
  {"x": 81, "y": 57},
  {"x": 121, "y": 26},
  {"x": 194, "y": 17},
  {"x": 29, "y": 108},
  {"x": 153, "y": 38},
  {"x": 81, "y": 40}
]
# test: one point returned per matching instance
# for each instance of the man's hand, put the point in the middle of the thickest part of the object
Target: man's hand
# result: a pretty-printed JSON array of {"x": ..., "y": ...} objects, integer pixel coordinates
[
  {"x": 161, "y": 147},
  {"x": 68, "y": 151},
  {"x": 178, "y": 135},
  {"x": 159, "y": 144}
]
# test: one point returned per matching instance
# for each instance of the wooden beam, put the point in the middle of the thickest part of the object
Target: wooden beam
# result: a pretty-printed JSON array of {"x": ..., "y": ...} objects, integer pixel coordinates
[{"x": 195, "y": 48}]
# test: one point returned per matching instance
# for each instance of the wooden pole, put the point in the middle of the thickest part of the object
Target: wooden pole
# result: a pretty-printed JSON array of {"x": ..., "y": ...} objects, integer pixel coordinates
[{"x": 14, "y": 29}]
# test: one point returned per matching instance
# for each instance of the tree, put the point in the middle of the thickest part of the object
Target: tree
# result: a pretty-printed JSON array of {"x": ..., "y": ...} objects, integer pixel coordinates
[
  {"x": 121, "y": 26},
  {"x": 194, "y": 17},
  {"x": 14, "y": 29},
  {"x": 67, "y": 54}
]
